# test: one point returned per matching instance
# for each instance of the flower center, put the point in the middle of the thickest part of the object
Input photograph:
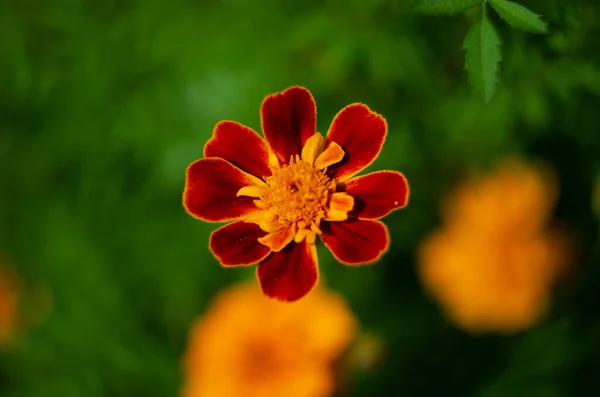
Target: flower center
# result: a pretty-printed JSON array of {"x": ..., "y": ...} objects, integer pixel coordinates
[{"x": 297, "y": 194}]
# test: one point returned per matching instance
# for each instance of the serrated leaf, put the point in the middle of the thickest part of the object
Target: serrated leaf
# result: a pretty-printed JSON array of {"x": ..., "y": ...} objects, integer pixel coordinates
[
  {"x": 519, "y": 17},
  {"x": 482, "y": 46},
  {"x": 444, "y": 6}
]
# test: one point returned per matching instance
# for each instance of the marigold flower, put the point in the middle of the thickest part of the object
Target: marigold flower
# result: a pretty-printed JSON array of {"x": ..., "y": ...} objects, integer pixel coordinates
[
  {"x": 249, "y": 345},
  {"x": 493, "y": 262},
  {"x": 284, "y": 192}
]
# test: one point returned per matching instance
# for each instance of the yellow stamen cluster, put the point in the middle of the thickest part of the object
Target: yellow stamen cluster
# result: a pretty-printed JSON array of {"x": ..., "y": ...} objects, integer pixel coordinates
[{"x": 297, "y": 194}]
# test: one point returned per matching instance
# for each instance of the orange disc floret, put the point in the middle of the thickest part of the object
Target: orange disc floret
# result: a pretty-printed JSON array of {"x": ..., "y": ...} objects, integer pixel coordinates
[
  {"x": 493, "y": 262},
  {"x": 249, "y": 345},
  {"x": 297, "y": 195},
  {"x": 284, "y": 191}
]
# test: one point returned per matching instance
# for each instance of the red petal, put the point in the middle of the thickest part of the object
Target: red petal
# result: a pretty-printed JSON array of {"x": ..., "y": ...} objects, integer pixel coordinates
[
  {"x": 289, "y": 274},
  {"x": 211, "y": 185},
  {"x": 377, "y": 194},
  {"x": 356, "y": 241},
  {"x": 241, "y": 146},
  {"x": 288, "y": 119},
  {"x": 361, "y": 133},
  {"x": 237, "y": 244}
]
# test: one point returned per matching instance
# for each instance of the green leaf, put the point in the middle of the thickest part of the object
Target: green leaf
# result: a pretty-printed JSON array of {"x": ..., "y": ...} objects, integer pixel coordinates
[
  {"x": 482, "y": 46},
  {"x": 444, "y": 6},
  {"x": 518, "y": 16}
]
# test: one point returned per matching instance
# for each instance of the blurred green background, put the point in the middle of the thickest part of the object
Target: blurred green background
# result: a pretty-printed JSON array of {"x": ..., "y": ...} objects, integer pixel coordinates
[{"x": 103, "y": 104}]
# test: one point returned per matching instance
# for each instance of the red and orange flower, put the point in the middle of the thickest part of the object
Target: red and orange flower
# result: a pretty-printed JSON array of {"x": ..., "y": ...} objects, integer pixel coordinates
[{"x": 283, "y": 192}]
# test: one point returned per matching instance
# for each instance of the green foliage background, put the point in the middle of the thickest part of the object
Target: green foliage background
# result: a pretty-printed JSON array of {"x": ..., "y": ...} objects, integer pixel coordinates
[{"x": 103, "y": 104}]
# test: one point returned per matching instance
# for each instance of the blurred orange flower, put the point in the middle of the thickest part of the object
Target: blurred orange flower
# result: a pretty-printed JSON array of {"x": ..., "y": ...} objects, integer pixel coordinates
[
  {"x": 493, "y": 262},
  {"x": 9, "y": 300},
  {"x": 249, "y": 345}
]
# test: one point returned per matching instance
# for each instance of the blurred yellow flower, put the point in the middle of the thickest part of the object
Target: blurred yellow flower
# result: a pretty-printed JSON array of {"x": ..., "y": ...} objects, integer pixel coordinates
[
  {"x": 252, "y": 346},
  {"x": 493, "y": 262}
]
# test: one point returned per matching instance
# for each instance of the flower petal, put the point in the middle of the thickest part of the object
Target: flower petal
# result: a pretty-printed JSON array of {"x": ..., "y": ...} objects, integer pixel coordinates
[
  {"x": 312, "y": 148},
  {"x": 361, "y": 133},
  {"x": 211, "y": 186},
  {"x": 289, "y": 274},
  {"x": 333, "y": 154},
  {"x": 377, "y": 194},
  {"x": 241, "y": 146},
  {"x": 356, "y": 241},
  {"x": 252, "y": 191},
  {"x": 305, "y": 234},
  {"x": 288, "y": 119},
  {"x": 236, "y": 244},
  {"x": 276, "y": 241},
  {"x": 339, "y": 205}
]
